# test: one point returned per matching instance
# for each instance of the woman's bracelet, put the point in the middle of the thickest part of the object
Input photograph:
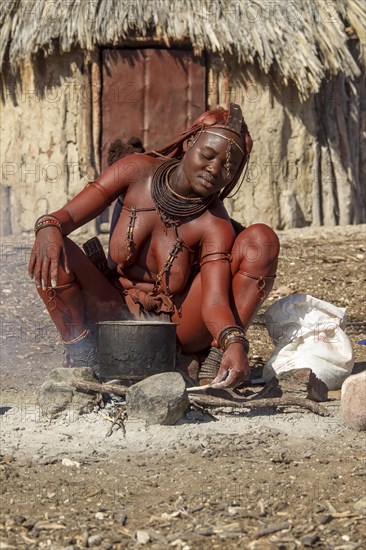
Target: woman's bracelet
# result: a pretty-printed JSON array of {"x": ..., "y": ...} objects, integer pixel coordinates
[
  {"x": 231, "y": 329},
  {"x": 232, "y": 334},
  {"x": 236, "y": 340},
  {"x": 46, "y": 221}
]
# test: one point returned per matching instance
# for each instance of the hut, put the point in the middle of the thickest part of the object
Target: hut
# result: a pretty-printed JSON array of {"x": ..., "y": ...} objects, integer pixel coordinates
[{"x": 77, "y": 74}]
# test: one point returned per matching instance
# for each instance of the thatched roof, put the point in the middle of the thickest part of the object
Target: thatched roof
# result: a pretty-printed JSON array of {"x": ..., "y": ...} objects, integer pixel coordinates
[{"x": 305, "y": 41}]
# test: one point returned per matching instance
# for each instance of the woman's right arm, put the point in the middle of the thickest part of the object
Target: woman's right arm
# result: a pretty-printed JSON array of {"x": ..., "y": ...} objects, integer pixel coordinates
[
  {"x": 48, "y": 250},
  {"x": 96, "y": 196}
]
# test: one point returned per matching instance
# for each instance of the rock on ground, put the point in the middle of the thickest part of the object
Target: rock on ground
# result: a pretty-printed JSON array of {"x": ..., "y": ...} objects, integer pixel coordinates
[
  {"x": 353, "y": 401},
  {"x": 58, "y": 394},
  {"x": 159, "y": 399}
]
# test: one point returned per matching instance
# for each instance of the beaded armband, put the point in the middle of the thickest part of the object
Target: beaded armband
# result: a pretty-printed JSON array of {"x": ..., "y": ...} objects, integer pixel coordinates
[
  {"x": 46, "y": 221},
  {"x": 231, "y": 335}
]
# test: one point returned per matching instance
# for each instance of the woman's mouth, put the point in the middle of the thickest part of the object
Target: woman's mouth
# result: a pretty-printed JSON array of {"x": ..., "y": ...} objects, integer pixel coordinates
[{"x": 207, "y": 183}]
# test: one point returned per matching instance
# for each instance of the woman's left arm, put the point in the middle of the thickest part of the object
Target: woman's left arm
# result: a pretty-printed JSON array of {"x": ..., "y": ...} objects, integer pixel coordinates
[{"x": 217, "y": 311}]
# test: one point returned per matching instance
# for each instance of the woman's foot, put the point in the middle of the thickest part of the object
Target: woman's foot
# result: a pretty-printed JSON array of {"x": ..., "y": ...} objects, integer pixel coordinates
[
  {"x": 82, "y": 351},
  {"x": 188, "y": 366}
]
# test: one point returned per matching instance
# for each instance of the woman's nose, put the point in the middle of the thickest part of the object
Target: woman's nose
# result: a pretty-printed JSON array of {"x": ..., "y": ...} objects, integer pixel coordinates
[{"x": 213, "y": 167}]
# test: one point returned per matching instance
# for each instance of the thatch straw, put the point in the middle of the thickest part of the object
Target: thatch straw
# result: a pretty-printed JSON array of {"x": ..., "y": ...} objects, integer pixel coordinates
[{"x": 304, "y": 40}]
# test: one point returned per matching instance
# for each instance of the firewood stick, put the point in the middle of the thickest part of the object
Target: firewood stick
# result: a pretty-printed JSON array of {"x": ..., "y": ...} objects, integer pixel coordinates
[
  {"x": 203, "y": 410},
  {"x": 211, "y": 401},
  {"x": 100, "y": 388},
  {"x": 117, "y": 421},
  {"x": 199, "y": 388}
]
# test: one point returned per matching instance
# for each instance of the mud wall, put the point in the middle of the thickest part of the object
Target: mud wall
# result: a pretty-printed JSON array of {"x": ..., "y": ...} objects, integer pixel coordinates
[
  {"x": 43, "y": 135},
  {"x": 278, "y": 187},
  {"x": 307, "y": 165}
]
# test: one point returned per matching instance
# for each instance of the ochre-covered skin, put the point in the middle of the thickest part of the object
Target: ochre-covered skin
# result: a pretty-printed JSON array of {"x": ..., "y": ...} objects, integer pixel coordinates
[{"x": 220, "y": 295}]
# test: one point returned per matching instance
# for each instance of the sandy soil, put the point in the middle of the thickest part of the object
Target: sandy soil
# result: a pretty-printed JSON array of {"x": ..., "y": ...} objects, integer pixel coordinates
[{"x": 264, "y": 479}]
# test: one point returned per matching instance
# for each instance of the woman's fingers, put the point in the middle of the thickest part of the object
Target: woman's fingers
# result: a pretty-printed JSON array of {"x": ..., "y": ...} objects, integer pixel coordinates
[
  {"x": 45, "y": 259},
  {"x": 45, "y": 273},
  {"x": 54, "y": 272},
  {"x": 35, "y": 265},
  {"x": 32, "y": 263},
  {"x": 37, "y": 272},
  {"x": 220, "y": 379},
  {"x": 235, "y": 378},
  {"x": 229, "y": 379},
  {"x": 65, "y": 261}
]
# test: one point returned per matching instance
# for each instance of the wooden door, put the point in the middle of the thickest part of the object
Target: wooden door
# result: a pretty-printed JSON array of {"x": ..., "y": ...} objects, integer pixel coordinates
[{"x": 153, "y": 94}]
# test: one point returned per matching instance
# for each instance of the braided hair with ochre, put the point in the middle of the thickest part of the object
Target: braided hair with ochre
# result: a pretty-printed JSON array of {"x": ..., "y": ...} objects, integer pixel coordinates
[{"x": 228, "y": 119}]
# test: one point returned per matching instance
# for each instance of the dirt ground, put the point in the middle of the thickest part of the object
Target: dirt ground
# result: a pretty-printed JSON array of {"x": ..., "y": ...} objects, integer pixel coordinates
[{"x": 256, "y": 480}]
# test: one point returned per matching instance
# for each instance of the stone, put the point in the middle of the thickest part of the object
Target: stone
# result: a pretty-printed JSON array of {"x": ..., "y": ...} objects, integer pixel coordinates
[
  {"x": 54, "y": 398},
  {"x": 309, "y": 540},
  {"x": 57, "y": 393},
  {"x": 70, "y": 463},
  {"x": 353, "y": 401},
  {"x": 94, "y": 540},
  {"x": 159, "y": 399},
  {"x": 142, "y": 537},
  {"x": 68, "y": 376},
  {"x": 19, "y": 519},
  {"x": 360, "y": 505}
]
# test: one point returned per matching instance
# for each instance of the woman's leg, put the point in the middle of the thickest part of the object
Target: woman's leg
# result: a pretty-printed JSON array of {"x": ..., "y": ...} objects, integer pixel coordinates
[
  {"x": 83, "y": 296},
  {"x": 255, "y": 254},
  {"x": 192, "y": 333}
]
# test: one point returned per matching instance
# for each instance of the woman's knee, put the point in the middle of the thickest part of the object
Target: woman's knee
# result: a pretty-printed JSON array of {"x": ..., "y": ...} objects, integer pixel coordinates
[
  {"x": 72, "y": 252},
  {"x": 258, "y": 245}
]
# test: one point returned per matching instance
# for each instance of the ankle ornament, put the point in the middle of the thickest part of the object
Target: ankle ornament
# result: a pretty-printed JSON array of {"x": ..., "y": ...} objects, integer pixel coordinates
[
  {"x": 78, "y": 338},
  {"x": 210, "y": 366},
  {"x": 82, "y": 351}
]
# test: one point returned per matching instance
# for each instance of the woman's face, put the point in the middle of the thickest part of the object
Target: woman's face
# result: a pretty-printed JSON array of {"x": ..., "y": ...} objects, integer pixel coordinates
[{"x": 206, "y": 166}]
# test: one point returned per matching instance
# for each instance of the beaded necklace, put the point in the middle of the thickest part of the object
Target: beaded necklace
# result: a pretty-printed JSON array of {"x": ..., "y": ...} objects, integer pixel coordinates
[{"x": 168, "y": 203}]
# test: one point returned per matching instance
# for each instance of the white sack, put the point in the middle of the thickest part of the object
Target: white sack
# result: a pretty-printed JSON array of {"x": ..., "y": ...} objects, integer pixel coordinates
[{"x": 309, "y": 333}]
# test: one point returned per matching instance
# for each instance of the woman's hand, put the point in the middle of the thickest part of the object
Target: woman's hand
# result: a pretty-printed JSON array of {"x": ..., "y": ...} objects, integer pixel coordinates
[
  {"x": 47, "y": 254},
  {"x": 234, "y": 367}
]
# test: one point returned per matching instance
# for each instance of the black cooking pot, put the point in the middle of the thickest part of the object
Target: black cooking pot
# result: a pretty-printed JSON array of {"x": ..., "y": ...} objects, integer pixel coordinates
[{"x": 133, "y": 350}]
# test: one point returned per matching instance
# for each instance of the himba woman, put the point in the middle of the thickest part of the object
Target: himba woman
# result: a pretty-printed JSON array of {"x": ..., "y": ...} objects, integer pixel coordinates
[{"x": 176, "y": 252}]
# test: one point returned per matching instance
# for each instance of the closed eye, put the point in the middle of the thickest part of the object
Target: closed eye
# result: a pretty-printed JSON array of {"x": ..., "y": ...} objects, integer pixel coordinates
[{"x": 207, "y": 156}]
